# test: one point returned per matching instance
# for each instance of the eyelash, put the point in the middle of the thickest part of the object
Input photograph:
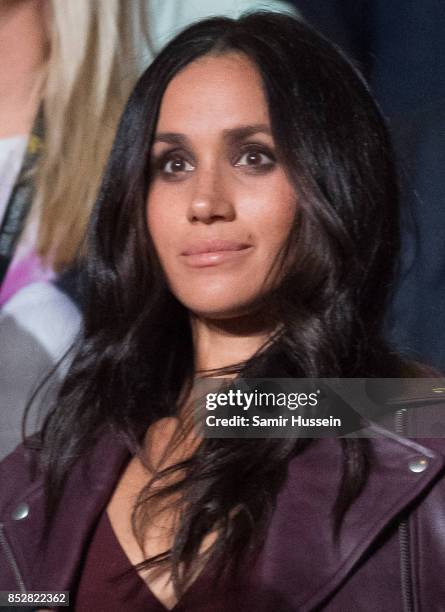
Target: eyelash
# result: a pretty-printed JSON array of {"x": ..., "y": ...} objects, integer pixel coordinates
[
  {"x": 260, "y": 150},
  {"x": 179, "y": 155}
]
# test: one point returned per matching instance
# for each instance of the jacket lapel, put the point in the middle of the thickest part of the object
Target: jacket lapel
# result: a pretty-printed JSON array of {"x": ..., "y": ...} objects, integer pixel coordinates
[
  {"x": 52, "y": 561},
  {"x": 300, "y": 560}
]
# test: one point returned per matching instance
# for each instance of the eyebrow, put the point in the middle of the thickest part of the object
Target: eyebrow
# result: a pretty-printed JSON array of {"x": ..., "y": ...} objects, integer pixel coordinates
[{"x": 232, "y": 135}]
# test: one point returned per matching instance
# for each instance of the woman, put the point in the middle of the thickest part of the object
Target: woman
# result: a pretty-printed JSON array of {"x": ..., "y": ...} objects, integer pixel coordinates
[
  {"x": 246, "y": 226},
  {"x": 66, "y": 70}
]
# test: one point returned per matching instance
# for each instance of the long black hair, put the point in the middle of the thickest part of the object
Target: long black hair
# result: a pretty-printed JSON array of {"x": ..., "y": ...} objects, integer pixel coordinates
[{"x": 136, "y": 354}]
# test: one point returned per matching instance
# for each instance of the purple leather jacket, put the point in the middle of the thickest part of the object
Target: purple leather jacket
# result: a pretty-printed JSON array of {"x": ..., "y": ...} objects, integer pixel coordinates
[{"x": 390, "y": 554}]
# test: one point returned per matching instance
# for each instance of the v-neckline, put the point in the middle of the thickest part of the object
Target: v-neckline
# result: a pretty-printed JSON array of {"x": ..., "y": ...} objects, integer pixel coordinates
[{"x": 191, "y": 589}]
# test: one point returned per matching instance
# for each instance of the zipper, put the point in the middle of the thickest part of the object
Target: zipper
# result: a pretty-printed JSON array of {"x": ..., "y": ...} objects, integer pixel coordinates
[
  {"x": 11, "y": 561},
  {"x": 404, "y": 540}
]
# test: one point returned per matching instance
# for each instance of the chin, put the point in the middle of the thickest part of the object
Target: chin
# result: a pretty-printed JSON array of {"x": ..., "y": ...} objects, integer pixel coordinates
[
  {"x": 220, "y": 314},
  {"x": 217, "y": 298},
  {"x": 218, "y": 309}
]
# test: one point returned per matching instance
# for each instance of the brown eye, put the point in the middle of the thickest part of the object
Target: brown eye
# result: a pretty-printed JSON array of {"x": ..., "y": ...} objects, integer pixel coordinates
[
  {"x": 256, "y": 159},
  {"x": 177, "y": 165}
]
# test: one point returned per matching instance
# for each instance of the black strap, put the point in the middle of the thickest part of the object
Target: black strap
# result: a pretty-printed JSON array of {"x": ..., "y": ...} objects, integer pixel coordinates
[{"x": 21, "y": 197}]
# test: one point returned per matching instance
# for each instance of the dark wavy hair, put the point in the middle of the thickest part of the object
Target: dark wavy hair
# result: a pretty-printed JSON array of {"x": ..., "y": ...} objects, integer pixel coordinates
[{"x": 136, "y": 355}]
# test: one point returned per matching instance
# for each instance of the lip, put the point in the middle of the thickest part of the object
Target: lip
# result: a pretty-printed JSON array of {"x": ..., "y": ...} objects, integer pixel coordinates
[{"x": 205, "y": 253}]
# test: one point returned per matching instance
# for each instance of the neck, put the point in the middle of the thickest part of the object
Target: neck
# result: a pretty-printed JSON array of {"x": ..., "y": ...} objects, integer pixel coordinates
[
  {"x": 222, "y": 343},
  {"x": 23, "y": 53}
]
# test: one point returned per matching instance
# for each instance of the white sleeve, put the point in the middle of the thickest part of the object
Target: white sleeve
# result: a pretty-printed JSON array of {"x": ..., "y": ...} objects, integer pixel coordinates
[
  {"x": 37, "y": 326},
  {"x": 43, "y": 311}
]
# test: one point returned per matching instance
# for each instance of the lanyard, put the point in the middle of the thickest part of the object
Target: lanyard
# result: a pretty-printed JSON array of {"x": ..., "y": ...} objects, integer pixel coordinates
[{"x": 21, "y": 197}]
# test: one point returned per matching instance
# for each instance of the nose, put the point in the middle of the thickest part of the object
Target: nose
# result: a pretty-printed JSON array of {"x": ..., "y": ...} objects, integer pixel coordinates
[{"x": 211, "y": 198}]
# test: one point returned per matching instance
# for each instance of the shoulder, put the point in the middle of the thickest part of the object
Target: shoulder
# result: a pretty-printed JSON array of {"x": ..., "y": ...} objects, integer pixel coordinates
[
  {"x": 22, "y": 475},
  {"x": 30, "y": 558},
  {"x": 405, "y": 482}
]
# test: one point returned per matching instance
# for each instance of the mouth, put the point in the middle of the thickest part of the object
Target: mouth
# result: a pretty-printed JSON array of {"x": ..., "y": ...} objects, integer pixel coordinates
[{"x": 207, "y": 253}]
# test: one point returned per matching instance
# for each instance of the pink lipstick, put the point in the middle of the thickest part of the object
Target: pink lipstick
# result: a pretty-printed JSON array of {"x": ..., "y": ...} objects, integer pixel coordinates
[{"x": 204, "y": 253}]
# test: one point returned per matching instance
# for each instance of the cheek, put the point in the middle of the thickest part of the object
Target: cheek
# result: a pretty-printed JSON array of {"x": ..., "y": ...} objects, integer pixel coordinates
[
  {"x": 160, "y": 222},
  {"x": 272, "y": 213}
]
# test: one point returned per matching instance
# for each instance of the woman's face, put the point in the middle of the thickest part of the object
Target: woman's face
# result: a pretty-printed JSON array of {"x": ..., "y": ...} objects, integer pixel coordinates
[{"x": 220, "y": 206}]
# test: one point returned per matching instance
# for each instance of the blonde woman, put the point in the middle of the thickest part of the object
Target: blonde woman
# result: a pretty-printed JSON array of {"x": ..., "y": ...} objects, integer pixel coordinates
[
  {"x": 66, "y": 67},
  {"x": 65, "y": 71}
]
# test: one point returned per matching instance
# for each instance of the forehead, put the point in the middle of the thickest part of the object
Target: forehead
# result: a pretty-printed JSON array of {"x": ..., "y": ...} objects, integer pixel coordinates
[{"x": 214, "y": 93}]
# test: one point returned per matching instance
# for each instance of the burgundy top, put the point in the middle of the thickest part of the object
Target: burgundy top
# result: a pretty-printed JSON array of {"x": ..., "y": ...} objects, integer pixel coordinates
[{"x": 110, "y": 583}]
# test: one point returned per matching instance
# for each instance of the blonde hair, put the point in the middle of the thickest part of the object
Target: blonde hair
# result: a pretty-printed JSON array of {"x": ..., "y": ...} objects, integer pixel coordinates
[{"x": 92, "y": 65}]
